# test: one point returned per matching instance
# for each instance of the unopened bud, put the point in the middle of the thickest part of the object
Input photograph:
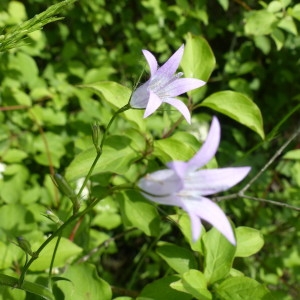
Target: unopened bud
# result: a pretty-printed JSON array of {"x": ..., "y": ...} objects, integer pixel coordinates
[
  {"x": 63, "y": 185},
  {"x": 24, "y": 245},
  {"x": 51, "y": 216},
  {"x": 66, "y": 189},
  {"x": 96, "y": 136}
]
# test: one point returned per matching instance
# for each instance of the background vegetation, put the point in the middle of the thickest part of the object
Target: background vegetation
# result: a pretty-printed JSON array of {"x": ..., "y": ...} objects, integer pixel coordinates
[{"x": 46, "y": 121}]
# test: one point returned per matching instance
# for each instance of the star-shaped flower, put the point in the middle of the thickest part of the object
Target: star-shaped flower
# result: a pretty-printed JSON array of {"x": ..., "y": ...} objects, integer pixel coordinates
[
  {"x": 184, "y": 185},
  {"x": 164, "y": 85}
]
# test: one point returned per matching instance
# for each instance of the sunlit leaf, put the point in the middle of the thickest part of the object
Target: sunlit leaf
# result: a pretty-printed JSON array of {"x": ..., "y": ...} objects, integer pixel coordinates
[{"x": 238, "y": 107}]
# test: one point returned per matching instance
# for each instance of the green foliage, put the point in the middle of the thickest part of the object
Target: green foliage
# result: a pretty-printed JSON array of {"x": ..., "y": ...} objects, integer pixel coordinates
[
  {"x": 83, "y": 283},
  {"x": 14, "y": 37},
  {"x": 238, "y": 107},
  {"x": 61, "y": 83}
]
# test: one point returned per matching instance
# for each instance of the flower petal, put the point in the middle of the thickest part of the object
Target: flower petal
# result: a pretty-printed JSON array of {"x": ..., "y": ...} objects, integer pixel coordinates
[
  {"x": 182, "y": 85},
  {"x": 140, "y": 97},
  {"x": 181, "y": 107},
  {"x": 153, "y": 104},
  {"x": 196, "y": 225},
  {"x": 212, "y": 181},
  {"x": 212, "y": 213},
  {"x": 169, "y": 68},
  {"x": 162, "y": 185},
  {"x": 179, "y": 167},
  {"x": 152, "y": 62},
  {"x": 209, "y": 148}
]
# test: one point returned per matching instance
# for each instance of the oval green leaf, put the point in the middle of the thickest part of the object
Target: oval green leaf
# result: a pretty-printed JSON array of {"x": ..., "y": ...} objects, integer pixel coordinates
[
  {"x": 193, "y": 282},
  {"x": 198, "y": 60},
  {"x": 118, "y": 153},
  {"x": 138, "y": 212},
  {"x": 179, "y": 259},
  {"x": 117, "y": 96},
  {"x": 218, "y": 256},
  {"x": 237, "y": 288},
  {"x": 85, "y": 284},
  {"x": 249, "y": 241},
  {"x": 66, "y": 253},
  {"x": 238, "y": 107}
]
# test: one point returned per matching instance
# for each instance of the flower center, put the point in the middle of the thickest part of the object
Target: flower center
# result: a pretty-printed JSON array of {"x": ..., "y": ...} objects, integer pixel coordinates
[{"x": 158, "y": 84}]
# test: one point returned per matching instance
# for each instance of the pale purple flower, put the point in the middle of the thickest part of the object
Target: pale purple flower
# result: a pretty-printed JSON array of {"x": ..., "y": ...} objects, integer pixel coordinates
[
  {"x": 164, "y": 85},
  {"x": 185, "y": 186}
]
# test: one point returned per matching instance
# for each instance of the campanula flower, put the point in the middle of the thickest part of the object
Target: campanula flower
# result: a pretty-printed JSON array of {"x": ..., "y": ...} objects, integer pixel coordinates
[
  {"x": 184, "y": 185},
  {"x": 164, "y": 86}
]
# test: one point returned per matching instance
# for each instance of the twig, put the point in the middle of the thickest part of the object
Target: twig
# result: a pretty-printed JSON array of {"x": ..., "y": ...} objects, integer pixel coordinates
[
  {"x": 277, "y": 153},
  {"x": 272, "y": 202},
  {"x": 243, "y": 4},
  {"x": 13, "y": 107}
]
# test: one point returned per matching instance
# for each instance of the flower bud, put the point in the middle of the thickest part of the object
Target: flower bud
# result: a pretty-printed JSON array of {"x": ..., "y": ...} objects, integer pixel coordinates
[
  {"x": 96, "y": 136},
  {"x": 66, "y": 190},
  {"x": 51, "y": 216},
  {"x": 63, "y": 186},
  {"x": 24, "y": 245}
]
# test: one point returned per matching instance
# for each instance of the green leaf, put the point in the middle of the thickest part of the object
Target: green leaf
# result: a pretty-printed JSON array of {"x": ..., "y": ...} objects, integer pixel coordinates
[
  {"x": 55, "y": 145},
  {"x": 237, "y": 288},
  {"x": 198, "y": 60},
  {"x": 278, "y": 37},
  {"x": 85, "y": 284},
  {"x": 288, "y": 24},
  {"x": 117, "y": 96},
  {"x": 295, "y": 11},
  {"x": 14, "y": 155},
  {"x": 172, "y": 149},
  {"x": 238, "y": 107},
  {"x": 249, "y": 241},
  {"x": 7, "y": 292},
  {"x": 224, "y": 4},
  {"x": 263, "y": 43},
  {"x": 275, "y": 6},
  {"x": 66, "y": 253},
  {"x": 178, "y": 258},
  {"x": 184, "y": 224},
  {"x": 9, "y": 253},
  {"x": 14, "y": 185},
  {"x": 218, "y": 256},
  {"x": 260, "y": 22},
  {"x": 292, "y": 154},
  {"x": 193, "y": 282},
  {"x": 160, "y": 290},
  {"x": 28, "y": 67},
  {"x": 138, "y": 212},
  {"x": 18, "y": 219},
  {"x": 118, "y": 153},
  {"x": 30, "y": 287},
  {"x": 48, "y": 116}
]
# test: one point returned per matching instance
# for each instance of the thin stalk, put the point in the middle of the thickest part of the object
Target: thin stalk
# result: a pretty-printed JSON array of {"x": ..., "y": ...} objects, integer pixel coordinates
[
  {"x": 53, "y": 258},
  {"x": 272, "y": 159},
  {"x": 99, "y": 150},
  {"x": 59, "y": 230}
]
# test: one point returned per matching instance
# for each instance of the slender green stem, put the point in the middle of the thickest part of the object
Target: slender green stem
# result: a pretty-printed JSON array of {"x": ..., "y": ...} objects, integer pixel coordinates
[
  {"x": 59, "y": 231},
  {"x": 53, "y": 258},
  {"x": 52, "y": 236},
  {"x": 26, "y": 261},
  {"x": 99, "y": 150}
]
